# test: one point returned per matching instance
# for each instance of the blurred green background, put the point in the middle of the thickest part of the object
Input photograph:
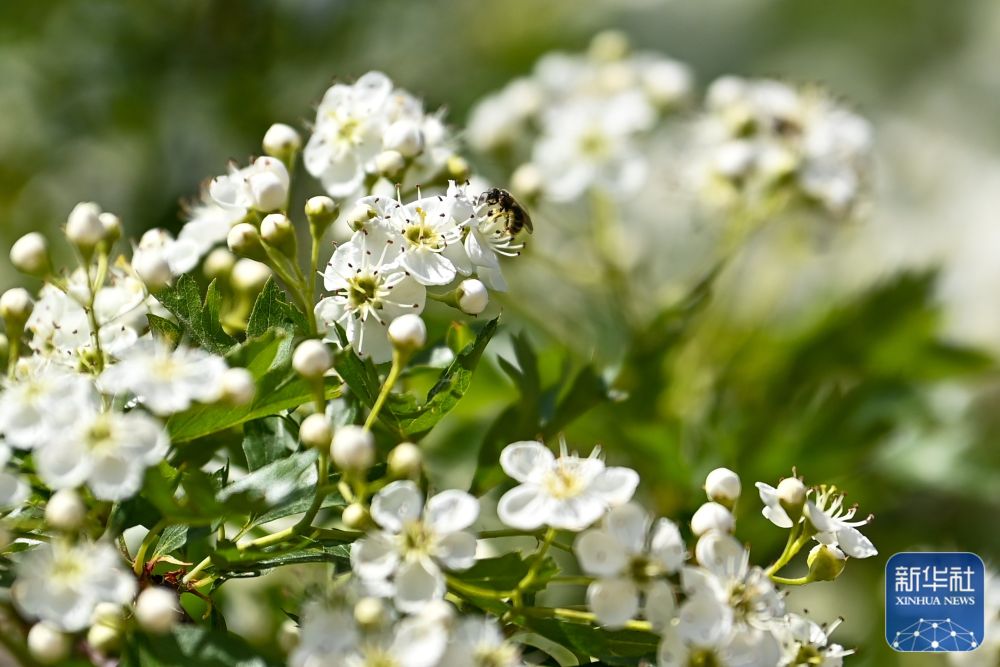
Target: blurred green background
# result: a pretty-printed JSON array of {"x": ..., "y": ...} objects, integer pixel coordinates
[{"x": 133, "y": 104}]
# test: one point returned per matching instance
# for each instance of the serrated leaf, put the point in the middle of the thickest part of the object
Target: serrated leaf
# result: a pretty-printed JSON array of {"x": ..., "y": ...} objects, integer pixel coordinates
[
  {"x": 505, "y": 572},
  {"x": 272, "y": 310},
  {"x": 164, "y": 330},
  {"x": 276, "y": 481},
  {"x": 192, "y": 646},
  {"x": 266, "y": 441},
  {"x": 233, "y": 561},
  {"x": 198, "y": 319},
  {"x": 611, "y": 647},
  {"x": 171, "y": 539}
]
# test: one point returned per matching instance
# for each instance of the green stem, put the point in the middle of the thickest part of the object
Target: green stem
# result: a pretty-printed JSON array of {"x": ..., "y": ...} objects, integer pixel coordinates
[
  {"x": 536, "y": 566},
  {"x": 579, "y": 616},
  {"x": 476, "y": 591},
  {"x": 310, "y": 284},
  {"x": 398, "y": 361},
  {"x": 797, "y": 538},
  {"x": 801, "y": 581},
  {"x": 151, "y": 536},
  {"x": 93, "y": 287},
  {"x": 572, "y": 581},
  {"x": 189, "y": 577}
]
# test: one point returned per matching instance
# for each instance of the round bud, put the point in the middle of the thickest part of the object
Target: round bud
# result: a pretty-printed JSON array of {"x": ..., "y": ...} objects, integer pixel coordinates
[
  {"x": 408, "y": 333},
  {"x": 405, "y": 460},
  {"x": 405, "y": 137},
  {"x": 152, "y": 268},
  {"x": 104, "y": 638},
  {"x": 112, "y": 226},
  {"x": 355, "y": 516},
  {"x": 15, "y": 308},
  {"x": 712, "y": 516},
  {"x": 527, "y": 180},
  {"x": 47, "y": 644},
  {"x": 83, "y": 227},
  {"x": 359, "y": 216},
  {"x": 353, "y": 448},
  {"x": 276, "y": 230},
  {"x": 457, "y": 168},
  {"x": 108, "y": 613},
  {"x": 825, "y": 562},
  {"x": 609, "y": 45},
  {"x": 244, "y": 240},
  {"x": 320, "y": 211},
  {"x": 733, "y": 159},
  {"x": 723, "y": 486},
  {"x": 369, "y": 612},
  {"x": 472, "y": 296},
  {"x": 312, "y": 359},
  {"x": 667, "y": 83},
  {"x": 268, "y": 184},
  {"x": 238, "y": 387},
  {"x": 288, "y": 635},
  {"x": 281, "y": 141},
  {"x": 791, "y": 493},
  {"x": 316, "y": 431},
  {"x": 65, "y": 511},
  {"x": 389, "y": 163},
  {"x": 250, "y": 276},
  {"x": 157, "y": 610},
  {"x": 219, "y": 263},
  {"x": 30, "y": 254}
]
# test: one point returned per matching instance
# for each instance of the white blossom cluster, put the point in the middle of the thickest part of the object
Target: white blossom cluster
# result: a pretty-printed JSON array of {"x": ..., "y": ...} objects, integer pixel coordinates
[
  {"x": 764, "y": 139},
  {"x": 583, "y": 117}
]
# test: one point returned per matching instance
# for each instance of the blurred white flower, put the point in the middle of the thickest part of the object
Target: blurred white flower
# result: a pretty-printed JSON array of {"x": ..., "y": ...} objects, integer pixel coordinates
[
  {"x": 415, "y": 542},
  {"x": 27, "y": 417},
  {"x": 568, "y": 492},
  {"x": 479, "y": 642},
  {"x": 804, "y": 642},
  {"x": 835, "y": 525},
  {"x": 262, "y": 186}
]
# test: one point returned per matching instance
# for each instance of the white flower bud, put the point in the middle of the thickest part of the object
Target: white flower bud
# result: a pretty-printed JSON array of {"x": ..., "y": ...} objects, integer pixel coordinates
[
  {"x": 15, "y": 308},
  {"x": 238, "y": 387},
  {"x": 359, "y": 216},
  {"x": 312, "y": 359},
  {"x": 112, "y": 226},
  {"x": 355, "y": 516},
  {"x": 472, "y": 296},
  {"x": 47, "y": 644},
  {"x": 408, "y": 332},
  {"x": 153, "y": 269},
  {"x": 288, "y": 635},
  {"x": 527, "y": 180},
  {"x": 108, "y": 613},
  {"x": 726, "y": 91},
  {"x": 219, "y": 263},
  {"x": 276, "y": 230},
  {"x": 609, "y": 45},
  {"x": 65, "y": 511},
  {"x": 712, "y": 516},
  {"x": 405, "y": 460},
  {"x": 792, "y": 492},
  {"x": 83, "y": 227},
  {"x": 30, "y": 254},
  {"x": 353, "y": 448},
  {"x": 281, "y": 141},
  {"x": 723, "y": 486},
  {"x": 825, "y": 562},
  {"x": 316, "y": 431},
  {"x": 389, "y": 163},
  {"x": 405, "y": 137},
  {"x": 369, "y": 612},
  {"x": 244, "y": 240},
  {"x": 268, "y": 184},
  {"x": 104, "y": 638},
  {"x": 321, "y": 211},
  {"x": 157, "y": 610},
  {"x": 733, "y": 159},
  {"x": 667, "y": 83},
  {"x": 250, "y": 276},
  {"x": 457, "y": 168}
]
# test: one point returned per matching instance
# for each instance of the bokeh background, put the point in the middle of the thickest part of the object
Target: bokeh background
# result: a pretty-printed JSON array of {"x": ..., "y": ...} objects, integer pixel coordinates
[{"x": 889, "y": 392}]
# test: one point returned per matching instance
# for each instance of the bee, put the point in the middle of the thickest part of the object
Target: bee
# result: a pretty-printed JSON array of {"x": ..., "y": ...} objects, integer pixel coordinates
[{"x": 508, "y": 211}]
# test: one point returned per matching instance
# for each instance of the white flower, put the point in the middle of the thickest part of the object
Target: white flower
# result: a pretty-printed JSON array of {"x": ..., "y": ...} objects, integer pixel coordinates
[
  {"x": 262, "y": 186},
  {"x": 416, "y": 541},
  {"x": 629, "y": 560},
  {"x": 107, "y": 451},
  {"x": 62, "y": 583},
  {"x": 430, "y": 230},
  {"x": 367, "y": 294},
  {"x": 479, "y": 642},
  {"x": 806, "y": 643},
  {"x": 568, "y": 492},
  {"x": 27, "y": 417},
  {"x": 723, "y": 485},
  {"x": 790, "y": 491},
  {"x": 835, "y": 525},
  {"x": 712, "y": 517},
  {"x": 166, "y": 380},
  {"x": 181, "y": 255}
]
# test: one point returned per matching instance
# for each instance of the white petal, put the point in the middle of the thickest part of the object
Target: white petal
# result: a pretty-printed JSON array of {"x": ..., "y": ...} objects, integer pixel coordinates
[
  {"x": 773, "y": 511},
  {"x": 115, "y": 477},
  {"x": 629, "y": 524},
  {"x": 63, "y": 464},
  {"x": 854, "y": 544},
  {"x": 418, "y": 582},
  {"x": 721, "y": 554},
  {"x": 419, "y": 642},
  {"x": 450, "y": 511},
  {"x": 613, "y": 601},
  {"x": 13, "y": 490},
  {"x": 667, "y": 546},
  {"x": 820, "y": 519},
  {"x": 600, "y": 554},
  {"x": 428, "y": 267},
  {"x": 525, "y": 507},
  {"x": 616, "y": 485},
  {"x": 705, "y": 620},
  {"x": 672, "y": 652},
  {"x": 577, "y": 513},
  {"x": 397, "y": 504},
  {"x": 661, "y": 605},
  {"x": 526, "y": 461},
  {"x": 457, "y": 551},
  {"x": 374, "y": 556}
]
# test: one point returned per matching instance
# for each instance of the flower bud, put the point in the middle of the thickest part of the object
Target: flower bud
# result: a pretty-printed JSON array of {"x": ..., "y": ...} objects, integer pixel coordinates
[
  {"x": 527, "y": 180},
  {"x": 405, "y": 137},
  {"x": 112, "y": 227},
  {"x": 219, "y": 264},
  {"x": 108, "y": 613},
  {"x": 47, "y": 644},
  {"x": 244, "y": 240},
  {"x": 281, "y": 141},
  {"x": 355, "y": 516},
  {"x": 712, "y": 516},
  {"x": 825, "y": 562},
  {"x": 312, "y": 359},
  {"x": 353, "y": 448},
  {"x": 405, "y": 460},
  {"x": 608, "y": 46},
  {"x": 408, "y": 333},
  {"x": 238, "y": 387},
  {"x": 389, "y": 163},
  {"x": 321, "y": 211},
  {"x": 83, "y": 227},
  {"x": 359, "y": 216},
  {"x": 457, "y": 168},
  {"x": 15, "y": 308},
  {"x": 65, "y": 511},
  {"x": 276, "y": 230},
  {"x": 250, "y": 276},
  {"x": 152, "y": 268},
  {"x": 30, "y": 255},
  {"x": 104, "y": 638},
  {"x": 792, "y": 496},
  {"x": 369, "y": 612},
  {"x": 723, "y": 486},
  {"x": 316, "y": 431},
  {"x": 268, "y": 184},
  {"x": 472, "y": 296},
  {"x": 157, "y": 610}
]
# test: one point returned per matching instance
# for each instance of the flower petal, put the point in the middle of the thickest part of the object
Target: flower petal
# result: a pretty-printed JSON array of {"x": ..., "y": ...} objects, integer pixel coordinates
[
  {"x": 418, "y": 581},
  {"x": 524, "y": 507},
  {"x": 397, "y": 504},
  {"x": 526, "y": 461},
  {"x": 457, "y": 551},
  {"x": 661, "y": 605},
  {"x": 374, "y": 556},
  {"x": 854, "y": 544},
  {"x": 615, "y": 485},
  {"x": 613, "y": 601},
  {"x": 667, "y": 546},
  {"x": 629, "y": 524},
  {"x": 600, "y": 554},
  {"x": 450, "y": 511}
]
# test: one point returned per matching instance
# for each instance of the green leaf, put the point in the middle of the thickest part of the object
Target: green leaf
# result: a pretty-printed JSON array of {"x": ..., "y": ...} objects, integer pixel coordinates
[
  {"x": 587, "y": 390},
  {"x": 611, "y": 647},
  {"x": 171, "y": 539},
  {"x": 505, "y": 572},
  {"x": 267, "y": 440},
  {"x": 199, "y": 320},
  {"x": 233, "y": 561},
  {"x": 192, "y": 646},
  {"x": 272, "y": 310},
  {"x": 276, "y": 481},
  {"x": 279, "y": 387},
  {"x": 164, "y": 330}
]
